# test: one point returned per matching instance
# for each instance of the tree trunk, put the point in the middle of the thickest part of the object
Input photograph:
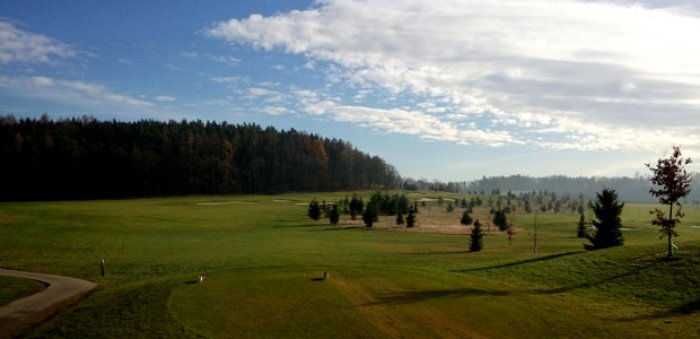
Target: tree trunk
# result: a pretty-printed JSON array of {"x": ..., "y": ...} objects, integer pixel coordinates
[{"x": 670, "y": 232}]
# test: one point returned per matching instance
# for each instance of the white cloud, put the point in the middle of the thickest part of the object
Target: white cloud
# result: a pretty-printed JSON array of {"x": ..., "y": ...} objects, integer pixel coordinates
[
  {"x": 19, "y": 46},
  {"x": 275, "y": 110},
  {"x": 164, "y": 98},
  {"x": 265, "y": 95},
  {"x": 229, "y": 80},
  {"x": 229, "y": 60},
  {"x": 557, "y": 74},
  {"x": 400, "y": 121},
  {"x": 68, "y": 91}
]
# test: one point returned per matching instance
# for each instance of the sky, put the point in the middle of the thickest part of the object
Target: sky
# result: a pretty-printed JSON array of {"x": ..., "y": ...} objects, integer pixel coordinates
[{"x": 450, "y": 90}]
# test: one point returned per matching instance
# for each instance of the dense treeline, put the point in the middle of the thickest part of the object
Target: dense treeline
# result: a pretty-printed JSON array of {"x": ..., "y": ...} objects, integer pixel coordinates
[
  {"x": 86, "y": 158},
  {"x": 629, "y": 189}
]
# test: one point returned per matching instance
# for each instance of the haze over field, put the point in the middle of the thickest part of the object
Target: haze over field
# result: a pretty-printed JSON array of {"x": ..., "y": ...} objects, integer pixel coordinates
[{"x": 481, "y": 88}]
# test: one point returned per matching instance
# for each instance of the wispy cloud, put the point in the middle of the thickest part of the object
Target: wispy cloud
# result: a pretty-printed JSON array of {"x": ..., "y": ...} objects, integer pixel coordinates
[
  {"x": 164, "y": 98},
  {"x": 556, "y": 74},
  {"x": 20, "y": 46},
  {"x": 69, "y": 91},
  {"x": 225, "y": 59}
]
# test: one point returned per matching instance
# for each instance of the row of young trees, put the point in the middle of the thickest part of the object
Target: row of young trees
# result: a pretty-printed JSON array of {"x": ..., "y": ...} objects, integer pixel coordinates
[
  {"x": 83, "y": 158},
  {"x": 378, "y": 204}
]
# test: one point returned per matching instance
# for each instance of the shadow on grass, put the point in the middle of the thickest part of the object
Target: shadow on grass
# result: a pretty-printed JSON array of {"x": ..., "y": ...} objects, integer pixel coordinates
[
  {"x": 685, "y": 309},
  {"x": 191, "y": 282},
  {"x": 594, "y": 282},
  {"x": 418, "y": 296},
  {"x": 317, "y": 279},
  {"x": 518, "y": 263}
]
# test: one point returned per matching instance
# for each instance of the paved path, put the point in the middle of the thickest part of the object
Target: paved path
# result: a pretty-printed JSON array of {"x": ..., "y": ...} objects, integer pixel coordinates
[{"x": 61, "y": 291}]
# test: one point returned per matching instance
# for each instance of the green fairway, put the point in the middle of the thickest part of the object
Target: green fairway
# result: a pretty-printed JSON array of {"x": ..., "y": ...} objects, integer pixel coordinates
[{"x": 263, "y": 260}]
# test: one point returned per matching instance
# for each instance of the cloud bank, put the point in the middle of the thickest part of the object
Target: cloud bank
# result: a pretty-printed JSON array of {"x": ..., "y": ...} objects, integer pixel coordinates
[{"x": 554, "y": 74}]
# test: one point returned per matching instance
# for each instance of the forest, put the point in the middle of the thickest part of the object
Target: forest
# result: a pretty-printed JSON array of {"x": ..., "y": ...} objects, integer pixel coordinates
[{"x": 84, "y": 158}]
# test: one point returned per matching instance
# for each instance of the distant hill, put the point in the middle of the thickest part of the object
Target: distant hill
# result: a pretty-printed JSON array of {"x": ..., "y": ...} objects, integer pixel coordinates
[
  {"x": 629, "y": 189},
  {"x": 83, "y": 158}
]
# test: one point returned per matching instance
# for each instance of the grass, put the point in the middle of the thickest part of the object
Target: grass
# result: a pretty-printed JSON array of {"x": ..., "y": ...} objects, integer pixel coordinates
[
  {"x": 14, "y": 288},
  {"x": 263, "y": 259}
]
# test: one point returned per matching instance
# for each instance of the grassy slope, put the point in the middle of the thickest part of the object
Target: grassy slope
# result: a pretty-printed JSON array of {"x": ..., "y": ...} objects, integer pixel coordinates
[{"x": 262, "y": 260}]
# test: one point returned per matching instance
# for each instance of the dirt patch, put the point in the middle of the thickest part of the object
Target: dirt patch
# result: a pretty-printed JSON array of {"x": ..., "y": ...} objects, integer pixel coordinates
[{"x": 219, "y": 203}]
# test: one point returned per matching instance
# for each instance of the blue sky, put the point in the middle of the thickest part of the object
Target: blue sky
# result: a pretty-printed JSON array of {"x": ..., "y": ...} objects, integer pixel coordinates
[{"x": 452, "y": 90}]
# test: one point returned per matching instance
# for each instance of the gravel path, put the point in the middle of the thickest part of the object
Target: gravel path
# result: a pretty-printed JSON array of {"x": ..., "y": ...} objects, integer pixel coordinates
[{"x": 61, "y": 291}]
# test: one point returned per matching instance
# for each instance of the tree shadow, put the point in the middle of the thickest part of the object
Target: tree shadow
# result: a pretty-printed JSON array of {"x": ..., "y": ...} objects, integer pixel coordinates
[
  {"x": 518, "y": 263},
  {"x": 418, "y": 296},
  {"x": 594, "y": 282},
  {"x": 317, "y": 279},
  {"x": 191, "y": 282},
  {"x": 685, "y": 309}
]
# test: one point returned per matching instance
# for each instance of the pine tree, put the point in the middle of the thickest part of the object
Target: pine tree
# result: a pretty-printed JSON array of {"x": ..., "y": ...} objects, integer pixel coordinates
[
  {"x": 466, "y": 218},
  {"x": 370, "y": 215},
  {"x": 475, "y": 239},
  {"x": 314, "y": 211},
  {"x": 500, "y": 219},
  {"x": 399, "y": 218},
  {"x": 411, "y": 218},
  {"x": 607, "y": 210},
  {"x": 334, "y": 215},
  {"x": 357, "y": 206},
  {"x": 450, "y": 207},
  {"x": 581, "y": 228}
]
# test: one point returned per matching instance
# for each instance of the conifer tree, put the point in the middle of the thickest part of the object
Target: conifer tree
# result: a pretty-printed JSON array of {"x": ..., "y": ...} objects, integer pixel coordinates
[
  {"x": 581, "y": 227},
  {"x": 475, "y": 239},
  {"x": 334, "y": 215},
  {"x": 607, "y": 210},
  {"x": 370, "y": 215},
  {"x": 399, "y": 218},
  {"x": 411, "y": 218},
  {"x": 356, "y": 206},
  {"x": 500, "y": 220},
  {"x": 466, "y": 218},
  {"x": 314, "y": 211}
]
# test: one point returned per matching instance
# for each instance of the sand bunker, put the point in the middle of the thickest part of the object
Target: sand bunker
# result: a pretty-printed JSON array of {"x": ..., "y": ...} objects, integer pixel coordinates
[{"x": 219, "y": 203}]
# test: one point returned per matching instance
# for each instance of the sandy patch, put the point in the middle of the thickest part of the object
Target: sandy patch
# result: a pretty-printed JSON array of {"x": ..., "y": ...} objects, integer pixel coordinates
[
  {"x": 435, "y": 200},
  {"x": 282, "y": 200},
  {"x": 225, "y": 203}
]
